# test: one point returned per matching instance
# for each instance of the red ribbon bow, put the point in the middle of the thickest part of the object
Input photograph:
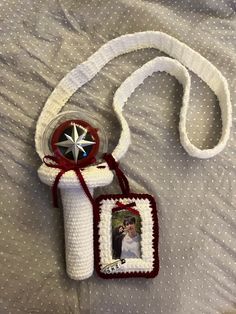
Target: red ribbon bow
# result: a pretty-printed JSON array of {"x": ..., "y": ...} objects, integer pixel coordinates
[
  {"x": 126, "y": 206},
  {"x": 65, "y": 166}
]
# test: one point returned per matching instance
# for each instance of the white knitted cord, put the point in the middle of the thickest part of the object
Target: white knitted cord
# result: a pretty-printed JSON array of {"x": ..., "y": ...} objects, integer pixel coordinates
[{"x": 85, "y": 72}]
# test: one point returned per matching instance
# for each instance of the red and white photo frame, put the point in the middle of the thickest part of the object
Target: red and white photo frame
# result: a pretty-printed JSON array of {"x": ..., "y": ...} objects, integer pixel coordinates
[{"x": 126, "y": 236}]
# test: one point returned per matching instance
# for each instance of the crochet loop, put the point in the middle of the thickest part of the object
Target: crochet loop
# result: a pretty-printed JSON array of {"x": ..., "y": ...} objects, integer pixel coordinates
[{"x": 114, "y": 165}]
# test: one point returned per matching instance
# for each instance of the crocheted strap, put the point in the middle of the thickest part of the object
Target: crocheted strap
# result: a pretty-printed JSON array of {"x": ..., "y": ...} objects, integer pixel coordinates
[{"x": 131, "y": 42}]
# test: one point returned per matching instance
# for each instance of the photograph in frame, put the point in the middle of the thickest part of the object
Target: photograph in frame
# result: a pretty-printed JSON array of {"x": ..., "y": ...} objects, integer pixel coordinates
[{"x": 126, "y": 236}]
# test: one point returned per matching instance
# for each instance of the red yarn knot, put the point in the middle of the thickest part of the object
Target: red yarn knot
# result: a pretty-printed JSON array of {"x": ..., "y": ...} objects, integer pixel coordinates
[
  {"x": 114, "y": 165},
  {"x": 64, "y": 166}
]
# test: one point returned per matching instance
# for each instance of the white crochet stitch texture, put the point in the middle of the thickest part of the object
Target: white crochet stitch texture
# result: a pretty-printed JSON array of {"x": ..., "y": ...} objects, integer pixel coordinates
[
  {"x": 143, "y": 264},
  {"x": 78, "y": 213},
  {"x": 82, "y": 74}
]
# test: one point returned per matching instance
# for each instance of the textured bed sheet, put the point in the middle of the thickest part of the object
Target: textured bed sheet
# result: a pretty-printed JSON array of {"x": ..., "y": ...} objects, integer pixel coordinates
[{"x": 40, "y": 42}]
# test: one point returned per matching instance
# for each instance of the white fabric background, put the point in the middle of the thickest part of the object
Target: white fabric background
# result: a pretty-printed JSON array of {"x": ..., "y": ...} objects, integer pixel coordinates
[{"x": 41, "y": 42}]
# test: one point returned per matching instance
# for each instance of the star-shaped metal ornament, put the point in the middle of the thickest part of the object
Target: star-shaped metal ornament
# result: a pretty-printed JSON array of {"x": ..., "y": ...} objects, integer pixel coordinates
[{"x": 75, "y": 142}]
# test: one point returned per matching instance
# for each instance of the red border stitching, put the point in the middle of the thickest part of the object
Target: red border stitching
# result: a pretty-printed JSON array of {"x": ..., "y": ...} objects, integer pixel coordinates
[
  {"x": 148, "y": 274},
  {"x": 59, "y": 130}
]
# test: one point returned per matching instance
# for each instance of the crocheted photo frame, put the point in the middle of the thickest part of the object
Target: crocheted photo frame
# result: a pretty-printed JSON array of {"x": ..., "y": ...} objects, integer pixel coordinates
[{"x": 126, "y": 236}]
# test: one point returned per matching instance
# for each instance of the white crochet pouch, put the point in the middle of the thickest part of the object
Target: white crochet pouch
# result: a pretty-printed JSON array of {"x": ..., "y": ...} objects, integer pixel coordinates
[{"x": 76, "y": 200}]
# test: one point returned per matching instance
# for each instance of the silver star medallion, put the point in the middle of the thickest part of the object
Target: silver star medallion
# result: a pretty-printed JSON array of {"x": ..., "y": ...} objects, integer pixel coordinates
[{"x": 75, "y": 143}]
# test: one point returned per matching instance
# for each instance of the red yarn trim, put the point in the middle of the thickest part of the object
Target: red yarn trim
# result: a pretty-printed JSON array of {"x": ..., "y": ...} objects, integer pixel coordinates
[{"x": 61, "y": 128}]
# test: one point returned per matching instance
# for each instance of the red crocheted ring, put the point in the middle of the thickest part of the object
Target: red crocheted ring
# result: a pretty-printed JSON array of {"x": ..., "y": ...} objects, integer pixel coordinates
[{"x": 85, "y": 134}]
